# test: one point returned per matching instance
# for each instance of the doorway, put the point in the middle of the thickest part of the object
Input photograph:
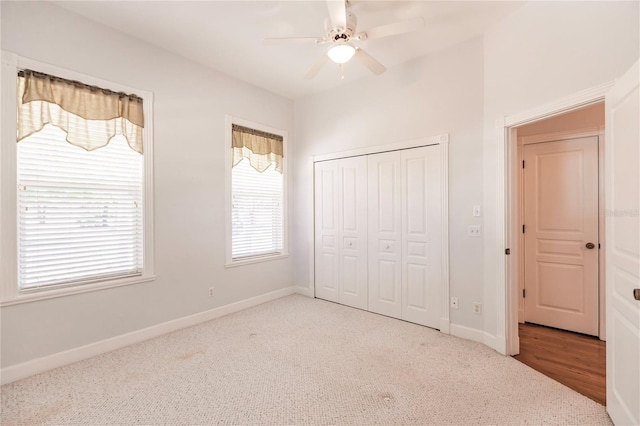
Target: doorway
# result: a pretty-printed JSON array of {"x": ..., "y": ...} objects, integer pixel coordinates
[
  {"x": 621, "y": 176},
  {"x": 561, "y": 245},
  {"x": 560, "y": 232},
  {"x": 561, "y": 307}
]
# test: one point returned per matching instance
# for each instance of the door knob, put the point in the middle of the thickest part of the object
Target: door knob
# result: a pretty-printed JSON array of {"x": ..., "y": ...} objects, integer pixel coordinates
[
  {"x": 590, "y": 245},
  {"x": 636, "y": 293}
]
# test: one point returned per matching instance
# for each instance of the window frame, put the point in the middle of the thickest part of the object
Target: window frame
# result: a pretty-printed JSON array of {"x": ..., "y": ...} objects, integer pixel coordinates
[
  {"x": 230, "y": 262},
  {"x": 10, "y": 293}
]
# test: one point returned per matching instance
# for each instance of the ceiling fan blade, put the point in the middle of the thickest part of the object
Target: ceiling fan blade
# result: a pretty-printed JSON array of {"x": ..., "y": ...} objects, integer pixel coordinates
[
  {"x": 338, "y": 13},
  {"x": 294, "y": 40},
  {"x": 316, "y": 67},
  {"x": 368, "y": 61},
  {"x": 392, "y": 29}
]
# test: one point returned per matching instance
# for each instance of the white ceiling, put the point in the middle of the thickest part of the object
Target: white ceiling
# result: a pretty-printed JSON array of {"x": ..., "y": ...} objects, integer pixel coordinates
[{"x": 227, "y": 35}]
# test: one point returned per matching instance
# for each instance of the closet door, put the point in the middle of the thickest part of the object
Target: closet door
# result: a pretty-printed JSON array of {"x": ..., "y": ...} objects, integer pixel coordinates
[
  {"x": 326, "y": 230},
  {"x": 421, "y": 235},
  {"x": 352, "y": 213},
  {"x": 385, "y": 254}
]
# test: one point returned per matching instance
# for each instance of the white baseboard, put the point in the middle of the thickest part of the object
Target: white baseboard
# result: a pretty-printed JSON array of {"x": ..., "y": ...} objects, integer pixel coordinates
[
  {"x": 496, "y": 343},
  {"x": 305, "y": 291},
  {"x": 445, "y": 325},
  {"x": 40, "y": 365},
  {"x": 467, "y": 333}
]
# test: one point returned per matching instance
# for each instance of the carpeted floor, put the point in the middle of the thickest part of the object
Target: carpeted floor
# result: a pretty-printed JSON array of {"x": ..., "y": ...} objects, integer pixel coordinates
[{"x": 298, "y": 361}]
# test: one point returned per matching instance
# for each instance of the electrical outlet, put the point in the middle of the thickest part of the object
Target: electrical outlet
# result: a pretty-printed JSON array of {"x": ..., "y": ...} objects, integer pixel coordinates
[
  {"x": 476, "y": 211},
  {"x": 210, "y": 291},
  {"x": 454, "y": 303},
  {"x": 477, "y": 308},
  {"x": 474, "y": 230}
]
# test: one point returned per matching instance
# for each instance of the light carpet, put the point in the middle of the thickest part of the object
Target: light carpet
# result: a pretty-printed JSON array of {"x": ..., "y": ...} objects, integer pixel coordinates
[{"x": 298, "y": 360}]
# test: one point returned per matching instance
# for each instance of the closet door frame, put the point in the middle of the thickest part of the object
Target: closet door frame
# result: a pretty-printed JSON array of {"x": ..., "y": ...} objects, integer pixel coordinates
[{"x": 443, "y": 141}]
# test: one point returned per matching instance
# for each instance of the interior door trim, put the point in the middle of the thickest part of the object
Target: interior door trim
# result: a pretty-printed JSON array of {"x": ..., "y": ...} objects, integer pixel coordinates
[{"x": 502, "y": 269}]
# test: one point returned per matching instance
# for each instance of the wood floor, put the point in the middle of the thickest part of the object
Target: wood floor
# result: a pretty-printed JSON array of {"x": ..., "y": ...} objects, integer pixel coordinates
[{"x": 573, "y": 359}]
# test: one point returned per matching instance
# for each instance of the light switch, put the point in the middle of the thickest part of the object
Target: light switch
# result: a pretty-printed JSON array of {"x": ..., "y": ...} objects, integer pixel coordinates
[{"x": 476, "y": 211}]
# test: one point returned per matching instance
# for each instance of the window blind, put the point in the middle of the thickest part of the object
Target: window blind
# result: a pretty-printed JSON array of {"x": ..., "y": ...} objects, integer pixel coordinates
[
  {"x": 80, "y": 213},
  {"x": 256, "y": 212}
]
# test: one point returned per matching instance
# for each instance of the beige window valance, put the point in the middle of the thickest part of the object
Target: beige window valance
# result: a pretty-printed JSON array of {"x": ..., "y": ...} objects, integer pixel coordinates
[
  {"x": 90, "y": 115},
  {"x": 260, "y": 148}
]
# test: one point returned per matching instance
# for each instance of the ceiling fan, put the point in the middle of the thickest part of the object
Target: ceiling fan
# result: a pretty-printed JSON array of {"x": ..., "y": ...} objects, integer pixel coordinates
[{"x": 341, "y": 33}]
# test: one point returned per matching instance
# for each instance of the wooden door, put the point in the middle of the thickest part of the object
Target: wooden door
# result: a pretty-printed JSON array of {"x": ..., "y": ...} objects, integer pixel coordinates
[
  {"x": 385, "y": 252},
  {"x": 622, "y": 179},
  {"x": 352, "y": 219},
  {"x": 561, "y": 234},
  {"x": 326, "y": 230},
  {"x": 421, "y": 235}
]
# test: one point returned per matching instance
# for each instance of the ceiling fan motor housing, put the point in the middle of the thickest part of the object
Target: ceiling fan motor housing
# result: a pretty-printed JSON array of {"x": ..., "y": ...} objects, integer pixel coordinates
[
  {"x": 342, "y": 34},
  {"x": 341, "y": 47}
]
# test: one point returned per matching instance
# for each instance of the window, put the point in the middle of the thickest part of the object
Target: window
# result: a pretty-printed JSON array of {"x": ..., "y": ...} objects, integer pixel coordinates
[
  {"x": 256, "y": 211},
  {"x": 79, "y": 204},
  {"x": 257, "y": 192},
  {"x": 79, "y": 212}
]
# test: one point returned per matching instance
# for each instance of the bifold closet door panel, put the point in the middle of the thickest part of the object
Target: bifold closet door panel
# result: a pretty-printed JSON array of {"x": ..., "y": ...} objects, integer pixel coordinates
[
  {"x": 352, "y": 219},
  {"x": 385, "y": 253},
  {"x": 421, "y": 235},
  {"x": 326, "y": 182}
]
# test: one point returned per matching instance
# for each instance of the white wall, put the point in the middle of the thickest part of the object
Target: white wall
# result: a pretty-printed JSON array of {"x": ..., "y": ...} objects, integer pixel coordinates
[
  {"x": 190, "y": 106},
  {"x": 540, "y": 53},
  {"x": 543, "y": 51},
  {"x": 588, "y": 117},
  {"x": 441, "y": 93}
]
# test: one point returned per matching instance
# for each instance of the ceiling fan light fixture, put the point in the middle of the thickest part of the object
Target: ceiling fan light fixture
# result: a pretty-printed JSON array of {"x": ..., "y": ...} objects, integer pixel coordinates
[{"x": 341, "y": 53}]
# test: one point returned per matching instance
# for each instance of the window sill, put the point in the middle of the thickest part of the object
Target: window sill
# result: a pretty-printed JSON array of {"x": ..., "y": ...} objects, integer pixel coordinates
[
  {"x": 249, "y": 261},
  {"x": 34, "y": 296}
]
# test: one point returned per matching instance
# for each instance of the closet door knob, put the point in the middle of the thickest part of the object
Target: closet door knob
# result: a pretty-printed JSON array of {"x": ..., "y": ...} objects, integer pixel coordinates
[{"x": 590, "y": 246}]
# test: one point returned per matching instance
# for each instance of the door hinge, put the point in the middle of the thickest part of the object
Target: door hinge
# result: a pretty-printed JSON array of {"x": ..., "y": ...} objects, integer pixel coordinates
[
  {"x": 507, "y": 251},
  {"x": 524, "y": 293},
  {"x": 523, "y": 229},
  {"x": 523, "y": 164},
  {"x": 598, "y": 246}
]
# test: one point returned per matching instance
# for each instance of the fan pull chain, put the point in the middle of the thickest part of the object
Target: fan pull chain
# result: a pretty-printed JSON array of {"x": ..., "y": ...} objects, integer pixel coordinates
[{"x": 341, "y": 66}]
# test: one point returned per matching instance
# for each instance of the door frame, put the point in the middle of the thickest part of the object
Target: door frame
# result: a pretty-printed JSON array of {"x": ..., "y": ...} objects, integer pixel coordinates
[
  {"x": 597, "y": 131},
  {"x": 507, "y": 220},
  {"x": 443, "y": 141}
]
